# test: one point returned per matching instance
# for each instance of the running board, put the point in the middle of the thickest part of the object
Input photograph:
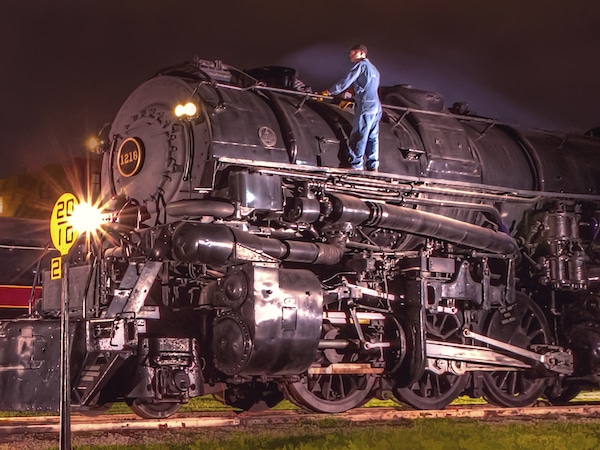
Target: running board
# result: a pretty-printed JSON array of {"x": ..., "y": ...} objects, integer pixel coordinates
[{"x": 345, "y": 368}]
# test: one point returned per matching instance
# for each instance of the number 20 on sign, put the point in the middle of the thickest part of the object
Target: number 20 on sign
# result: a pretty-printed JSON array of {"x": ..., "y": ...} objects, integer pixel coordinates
[{"x": 61, "y": 230}]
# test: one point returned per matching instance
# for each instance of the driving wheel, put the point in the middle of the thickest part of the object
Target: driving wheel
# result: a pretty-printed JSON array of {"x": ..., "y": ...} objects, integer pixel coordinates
[
  {"x": 522, "y": 324},
  {"x": 331, "y": 393},
  {"x": 437, "y": 390}
]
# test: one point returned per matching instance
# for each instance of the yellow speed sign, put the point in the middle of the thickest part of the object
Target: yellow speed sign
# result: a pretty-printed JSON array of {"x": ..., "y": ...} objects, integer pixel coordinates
[{"x": 61, "y": 230}]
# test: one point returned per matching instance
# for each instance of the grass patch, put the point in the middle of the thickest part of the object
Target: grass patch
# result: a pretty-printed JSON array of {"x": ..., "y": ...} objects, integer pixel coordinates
[
  {"x": 430, "y": 434},
  {"x": 209, "y": 404}
]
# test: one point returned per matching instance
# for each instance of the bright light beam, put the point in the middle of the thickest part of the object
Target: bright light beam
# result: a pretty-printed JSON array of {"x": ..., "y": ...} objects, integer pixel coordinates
[
  {"x": 189, "y": 110},
  {"x": 93, "y": 143},
  {"x": 86, "y": 218}
]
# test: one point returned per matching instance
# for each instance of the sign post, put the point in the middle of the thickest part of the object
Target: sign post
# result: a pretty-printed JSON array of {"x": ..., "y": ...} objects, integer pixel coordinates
[{"x": 63, "y": 237}]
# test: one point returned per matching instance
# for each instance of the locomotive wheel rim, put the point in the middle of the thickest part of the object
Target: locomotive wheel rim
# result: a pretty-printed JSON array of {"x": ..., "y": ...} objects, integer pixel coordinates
[
  {"x": 566, "y": 393},
  {"x": 148, "y": 410},
  {"x": 516, "y": 389},
  {"x": 433, "y": 391},
  {"x": 436, "y": 391},
  {"x": 331, "y": 393}
]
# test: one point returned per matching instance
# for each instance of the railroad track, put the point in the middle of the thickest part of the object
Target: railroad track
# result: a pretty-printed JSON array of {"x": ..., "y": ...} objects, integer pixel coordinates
[{"x": 130, "y": 422}]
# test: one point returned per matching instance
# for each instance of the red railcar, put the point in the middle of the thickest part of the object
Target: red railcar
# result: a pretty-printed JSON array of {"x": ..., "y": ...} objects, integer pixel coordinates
[{"x": 24, "y": 251}]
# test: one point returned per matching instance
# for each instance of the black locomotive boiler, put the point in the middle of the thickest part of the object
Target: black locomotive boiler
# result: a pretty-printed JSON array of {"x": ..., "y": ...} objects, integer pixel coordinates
[{"x": 243, "y": 258}]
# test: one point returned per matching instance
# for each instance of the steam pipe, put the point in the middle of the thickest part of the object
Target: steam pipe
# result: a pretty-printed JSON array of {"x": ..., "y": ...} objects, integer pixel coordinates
[
  {"x": 441, "y": 227},
  {"x": 197, "y": 208},
  {"x": 354, "y": 210},
  {"x": 204, "y": 243}
]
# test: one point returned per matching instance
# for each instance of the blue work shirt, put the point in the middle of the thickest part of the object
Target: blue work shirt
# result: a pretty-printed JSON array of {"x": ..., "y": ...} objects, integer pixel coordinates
[{"x": 365, "y": 78}]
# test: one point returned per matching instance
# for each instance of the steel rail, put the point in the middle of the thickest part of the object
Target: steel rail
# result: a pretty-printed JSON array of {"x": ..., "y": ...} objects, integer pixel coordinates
[{"x": 129, "y": 422}]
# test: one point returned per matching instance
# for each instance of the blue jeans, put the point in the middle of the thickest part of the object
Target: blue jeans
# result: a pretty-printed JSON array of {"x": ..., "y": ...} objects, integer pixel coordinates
[{"x": 364, "y": 140}]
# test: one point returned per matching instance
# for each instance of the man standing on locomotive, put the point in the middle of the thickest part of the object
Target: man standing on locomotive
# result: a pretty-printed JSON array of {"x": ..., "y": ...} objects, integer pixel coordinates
[{"x": 364, "y": 139}]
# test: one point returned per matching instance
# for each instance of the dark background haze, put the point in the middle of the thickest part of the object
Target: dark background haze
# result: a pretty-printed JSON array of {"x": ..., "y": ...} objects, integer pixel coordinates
[{"x": 66, "y": 66}]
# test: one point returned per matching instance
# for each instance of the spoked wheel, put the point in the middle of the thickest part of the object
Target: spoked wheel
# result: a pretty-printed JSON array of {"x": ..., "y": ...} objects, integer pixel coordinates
[
  {"x": 148, "y": 410},
  {"x": 437, "y": 390},
  {"x": 331, "y": 393},
  {"x": 562, "y": 393},
  {"x": 522, "y": 324}
]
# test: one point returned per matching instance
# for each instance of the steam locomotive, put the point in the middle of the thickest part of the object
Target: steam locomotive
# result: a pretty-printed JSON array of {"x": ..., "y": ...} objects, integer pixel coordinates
[{"x": 243, "y": 257}]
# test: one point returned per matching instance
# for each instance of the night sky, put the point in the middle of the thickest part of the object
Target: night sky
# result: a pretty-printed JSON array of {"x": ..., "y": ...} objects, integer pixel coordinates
[{"x": 66, "y": 66}]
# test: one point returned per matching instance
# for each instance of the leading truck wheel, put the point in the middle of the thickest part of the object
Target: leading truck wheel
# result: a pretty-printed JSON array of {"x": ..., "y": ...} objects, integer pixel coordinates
[
  {"x": 147, "y": 410},
  {"x": 522, "y": 324}
]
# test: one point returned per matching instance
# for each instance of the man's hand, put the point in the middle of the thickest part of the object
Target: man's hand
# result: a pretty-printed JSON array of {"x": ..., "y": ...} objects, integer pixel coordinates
[{"x": 324, "y": 93}]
